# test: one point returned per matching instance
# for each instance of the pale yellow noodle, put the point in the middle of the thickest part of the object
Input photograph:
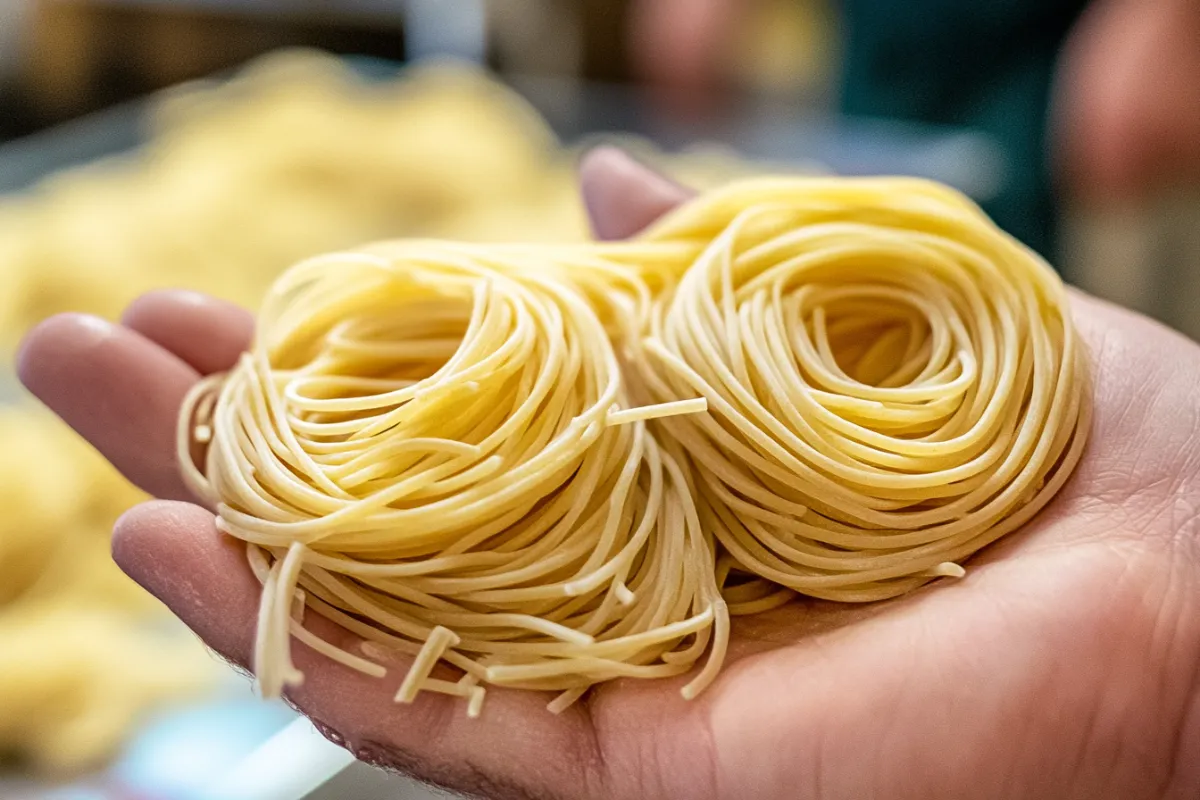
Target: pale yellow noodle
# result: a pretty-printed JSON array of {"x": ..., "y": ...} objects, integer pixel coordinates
[
  {"x": 439, "y": 451},
  {"x": 892, "y": 382},
  {"x": 551, "y": 466}
]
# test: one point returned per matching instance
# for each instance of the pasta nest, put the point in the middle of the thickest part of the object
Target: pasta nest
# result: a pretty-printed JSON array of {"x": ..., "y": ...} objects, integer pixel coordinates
[
  {"x": 892, "y": 382},
  {"x": 422, "y": 448},
  {"x": 553, "y": 465}
]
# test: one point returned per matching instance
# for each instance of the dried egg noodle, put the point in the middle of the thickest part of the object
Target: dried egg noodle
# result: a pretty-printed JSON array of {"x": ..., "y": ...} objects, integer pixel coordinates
[
  {"x": 421, "y": 442},
  {"x": 554, "y": 465},
  {"x": 892, "y": 382}
]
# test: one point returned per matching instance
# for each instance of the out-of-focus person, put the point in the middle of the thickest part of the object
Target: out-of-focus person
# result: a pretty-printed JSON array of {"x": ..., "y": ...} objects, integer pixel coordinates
[
  {"x": 1099, "y": 99},
  {"x": 1128, "y": 107}
]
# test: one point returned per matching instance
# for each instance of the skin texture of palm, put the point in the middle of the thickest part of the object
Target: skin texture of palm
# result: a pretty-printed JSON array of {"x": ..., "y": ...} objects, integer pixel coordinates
[{"x": 1064, "y": 665}]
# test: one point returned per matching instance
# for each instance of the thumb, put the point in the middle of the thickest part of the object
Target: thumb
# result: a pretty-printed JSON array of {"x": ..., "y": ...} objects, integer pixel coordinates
[{"x": 622, "y": 196}]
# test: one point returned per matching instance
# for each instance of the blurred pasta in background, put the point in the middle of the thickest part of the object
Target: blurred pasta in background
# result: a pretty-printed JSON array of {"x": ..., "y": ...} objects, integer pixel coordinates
[
  {"x": 296, "y": 156},
  {"x": 82, "y": 652}
]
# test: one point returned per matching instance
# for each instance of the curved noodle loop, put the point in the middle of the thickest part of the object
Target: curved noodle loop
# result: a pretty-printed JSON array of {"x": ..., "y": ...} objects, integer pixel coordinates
[
  {"x": 419, "y": 448},
  {"x": 892, "y": 382},
  {"x": 551, "y": 466}
]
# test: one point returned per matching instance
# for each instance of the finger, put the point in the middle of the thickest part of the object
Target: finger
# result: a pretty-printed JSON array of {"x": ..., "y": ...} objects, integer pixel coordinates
[
  {"x": 175, "y": 552},
  {"x": 622, "y": 196},
  {"x": 117, "y": 389},
  {"x": 207, "y": 333}
]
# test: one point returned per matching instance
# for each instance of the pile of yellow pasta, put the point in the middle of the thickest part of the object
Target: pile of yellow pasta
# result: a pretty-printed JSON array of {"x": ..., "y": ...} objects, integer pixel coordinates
[
  {"x": 239, "y": 179},
  {"x": 83, "y": 651},
  {"x": 550, "y": 466},
  {"x": 296, "y": 155}
]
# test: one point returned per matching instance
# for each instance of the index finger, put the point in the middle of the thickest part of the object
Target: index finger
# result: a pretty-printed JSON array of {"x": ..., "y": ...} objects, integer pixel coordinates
[{"x": 121, "y": 389}]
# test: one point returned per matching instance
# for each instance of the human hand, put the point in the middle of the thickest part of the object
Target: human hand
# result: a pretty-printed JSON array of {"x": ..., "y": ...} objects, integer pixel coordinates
[
  {"x": 1065, "y": 664},
  {"x": 1127, "y": 110}
]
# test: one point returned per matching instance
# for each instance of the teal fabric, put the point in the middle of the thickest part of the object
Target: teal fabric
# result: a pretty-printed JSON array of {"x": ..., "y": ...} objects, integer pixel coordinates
[{"x": 984, "y": 64}]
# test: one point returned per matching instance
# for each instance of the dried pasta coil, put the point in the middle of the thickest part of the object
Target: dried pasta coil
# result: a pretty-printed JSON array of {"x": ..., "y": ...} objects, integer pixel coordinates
[
  {"x": 436, "y": 451},
  {"x": 892, "y": 382}
]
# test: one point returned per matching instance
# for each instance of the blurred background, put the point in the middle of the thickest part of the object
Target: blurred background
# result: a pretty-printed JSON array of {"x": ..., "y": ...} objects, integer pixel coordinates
[{"x": 210, "y": 143}]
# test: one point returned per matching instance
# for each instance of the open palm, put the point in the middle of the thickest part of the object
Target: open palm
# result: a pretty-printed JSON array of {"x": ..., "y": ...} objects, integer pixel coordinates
[{"x": 1066, "y": 663}]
